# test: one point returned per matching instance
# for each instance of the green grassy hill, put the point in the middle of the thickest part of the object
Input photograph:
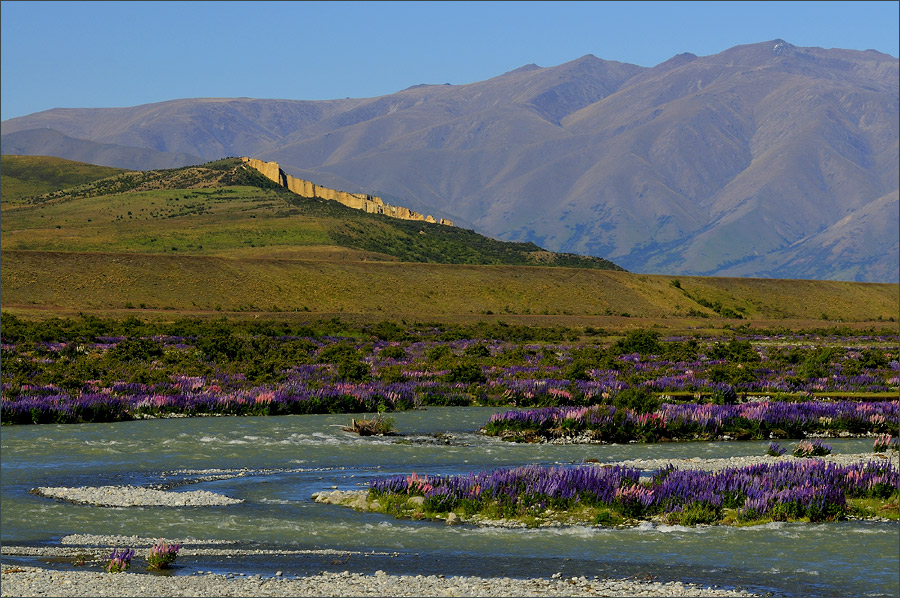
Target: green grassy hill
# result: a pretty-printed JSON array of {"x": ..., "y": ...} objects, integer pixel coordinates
[
  {"x": 28, "y": 176},
  {"x": 227, "y": 208},
  {"x": 222, "y": 238}
]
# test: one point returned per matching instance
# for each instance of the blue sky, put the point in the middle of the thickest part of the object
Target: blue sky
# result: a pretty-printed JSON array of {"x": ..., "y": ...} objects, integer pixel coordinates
[{"x": 103, "y": 54}]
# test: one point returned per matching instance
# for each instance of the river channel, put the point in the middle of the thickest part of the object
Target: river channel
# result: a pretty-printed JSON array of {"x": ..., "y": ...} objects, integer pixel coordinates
[{"x": 282, "y": 461}]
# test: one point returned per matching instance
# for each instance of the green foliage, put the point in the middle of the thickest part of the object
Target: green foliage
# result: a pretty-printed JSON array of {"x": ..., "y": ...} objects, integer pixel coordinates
[
  {"x": 730, "y": 373},
  {"x": 389, "y": 331},
  {"x": 221, "y": 344},
  {"x": 477, "y": 351},
  {"x": 584, "y": 359},
  {"x": 696, "y": 513},
  {"x": 734, "y": 351},
  {"x": 816, "y": 362},
  {"x": 137, "y": 349},
  {"x": 467, "y": 372},
  {"x": 873, "y": 358},
  {"x": 393, "y": 352},
  {"x": 438, "y": 354},
  {"x": 339, "y": 352},
  {"x": 392, "y": 374},
  {"x": 687, "y": 350},
  {"x": 645, "y": 342},
  {"x": 638, "y": 399},
  {"x": 353, "y": 370}
]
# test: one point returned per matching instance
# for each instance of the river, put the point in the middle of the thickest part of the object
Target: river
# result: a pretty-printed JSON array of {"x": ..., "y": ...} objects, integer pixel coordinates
[{"x": 282, "y": 461}]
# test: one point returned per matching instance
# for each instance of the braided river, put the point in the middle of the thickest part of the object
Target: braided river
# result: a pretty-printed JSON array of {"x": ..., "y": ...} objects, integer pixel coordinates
[{"x": 275, "y": 464}]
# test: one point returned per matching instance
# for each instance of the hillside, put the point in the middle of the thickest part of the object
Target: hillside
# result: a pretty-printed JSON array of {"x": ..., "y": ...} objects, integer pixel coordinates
[
  {"x": 27, "y": 176},
  {"x": 765, "y": 160},
  {"x": 221, "y": 237},
  {"x": 226, "y": 208},
  {"x": 51, "y": 283}
]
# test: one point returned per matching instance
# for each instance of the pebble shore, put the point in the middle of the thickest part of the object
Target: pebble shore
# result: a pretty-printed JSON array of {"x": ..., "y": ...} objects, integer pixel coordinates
[{"x": 31, "y": 581}]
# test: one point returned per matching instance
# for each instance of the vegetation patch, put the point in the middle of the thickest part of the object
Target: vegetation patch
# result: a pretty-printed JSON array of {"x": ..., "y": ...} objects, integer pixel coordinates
[
  {"x": 561, "y": 386},
  {"x": 613, "y": 495}
]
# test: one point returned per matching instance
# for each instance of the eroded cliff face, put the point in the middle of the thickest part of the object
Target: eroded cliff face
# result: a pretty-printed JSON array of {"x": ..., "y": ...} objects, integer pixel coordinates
[{"x": 360, "y": 201}]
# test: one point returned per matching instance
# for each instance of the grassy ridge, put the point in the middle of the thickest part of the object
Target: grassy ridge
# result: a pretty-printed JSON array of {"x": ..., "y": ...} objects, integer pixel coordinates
[
  {"x": 27, "y": 176},
  {"x": 225, "y": 208}
]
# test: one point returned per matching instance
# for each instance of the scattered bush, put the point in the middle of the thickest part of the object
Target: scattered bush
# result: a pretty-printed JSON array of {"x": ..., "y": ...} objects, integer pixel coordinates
[
  {"x": 162, "y": 554},
  {"x": 884, "y": 443},
  {"x": 119, "y": 560},
  {"x": 775, "y": 450},
  {"x": 813, "y": 448}
]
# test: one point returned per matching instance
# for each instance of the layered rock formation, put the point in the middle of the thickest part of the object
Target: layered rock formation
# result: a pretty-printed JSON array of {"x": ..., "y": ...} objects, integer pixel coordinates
[{"x": 359, "y": 201}]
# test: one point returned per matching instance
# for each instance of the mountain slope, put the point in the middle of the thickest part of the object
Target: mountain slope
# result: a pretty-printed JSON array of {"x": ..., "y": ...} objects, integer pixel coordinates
[
  {"x": 723, "y": 164},
  {"x": 48, "y": 142}
]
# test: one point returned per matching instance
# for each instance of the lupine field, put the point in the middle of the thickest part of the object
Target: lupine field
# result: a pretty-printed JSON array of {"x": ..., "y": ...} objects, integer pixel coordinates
[
  {"x": 782, "y": 491},
  {"x": 559, "y": 383},
  {"x": 639, "y": 387}
]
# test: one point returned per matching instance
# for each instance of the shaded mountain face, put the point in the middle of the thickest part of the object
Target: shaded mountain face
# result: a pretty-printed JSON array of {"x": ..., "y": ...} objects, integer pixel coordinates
[{"x": 765, "y": 160}]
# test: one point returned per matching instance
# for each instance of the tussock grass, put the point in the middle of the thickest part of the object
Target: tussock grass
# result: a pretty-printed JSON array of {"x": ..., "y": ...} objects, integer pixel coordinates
[{"x": 117, "y": 281}]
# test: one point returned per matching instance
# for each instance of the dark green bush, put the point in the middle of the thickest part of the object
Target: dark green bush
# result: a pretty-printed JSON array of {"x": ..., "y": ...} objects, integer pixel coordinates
[
  {"x": 638, "y": 399},
  {"x": 466, "y": 373},
  {"x": 645, "y": 342},
  {"x": 393, "y": 352}
]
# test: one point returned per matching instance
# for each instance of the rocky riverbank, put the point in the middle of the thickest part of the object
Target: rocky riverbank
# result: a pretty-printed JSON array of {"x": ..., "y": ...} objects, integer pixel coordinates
[{"x": 31, "y": 581}]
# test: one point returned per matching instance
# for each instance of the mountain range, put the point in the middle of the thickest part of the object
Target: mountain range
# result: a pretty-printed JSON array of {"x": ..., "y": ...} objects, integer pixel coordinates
[{"x": 765, "y": 160}]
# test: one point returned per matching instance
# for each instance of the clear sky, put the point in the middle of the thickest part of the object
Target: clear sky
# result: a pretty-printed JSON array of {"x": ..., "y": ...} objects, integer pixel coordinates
[{"x": 103, "y": 54}]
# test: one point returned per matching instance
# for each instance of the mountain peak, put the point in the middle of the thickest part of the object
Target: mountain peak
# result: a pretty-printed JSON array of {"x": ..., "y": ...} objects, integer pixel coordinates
[{"x": 524, "y": 69}]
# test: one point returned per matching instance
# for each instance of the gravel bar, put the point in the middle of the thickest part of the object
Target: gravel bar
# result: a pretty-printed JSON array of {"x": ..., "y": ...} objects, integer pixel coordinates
[
  {"x": 135, "y": 496},
  {"x": 32, "y": 581}
]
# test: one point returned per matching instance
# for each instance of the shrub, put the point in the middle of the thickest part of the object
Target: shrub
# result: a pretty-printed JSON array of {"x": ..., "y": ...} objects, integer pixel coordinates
[
  {"x": 392, "y": 374},
  {"x": 477, "y": 351},
  {"x": 338, "y": 352},
  {"x": 119, "y": 560},
  {"x": 884, "y": 443},
  {"x": 645, "y": 342},
  {"x": 814, "y": 448},
  {"x": 137, "y": 349},
  {"x": 465, "y": 373},
  {"x": 393, "y": 352},
  {"x": 638, "y": 399},
  {"x": 775, "y": 450},
  {"x": 162, "y": 554},
  {"x": 698, "y": 513},
  {"x": 353, "y": 371}
]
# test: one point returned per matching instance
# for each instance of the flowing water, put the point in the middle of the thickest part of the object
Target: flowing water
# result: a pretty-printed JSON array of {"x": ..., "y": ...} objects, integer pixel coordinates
[{"x": 286, "y": 459}]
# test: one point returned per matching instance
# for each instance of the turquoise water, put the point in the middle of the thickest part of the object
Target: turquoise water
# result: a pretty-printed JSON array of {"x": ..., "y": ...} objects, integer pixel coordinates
[{"x": 286, "y": 459}]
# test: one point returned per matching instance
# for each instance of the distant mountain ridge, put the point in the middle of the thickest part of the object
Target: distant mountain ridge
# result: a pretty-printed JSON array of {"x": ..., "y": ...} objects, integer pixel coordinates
[{"x": 765, "y": 160}]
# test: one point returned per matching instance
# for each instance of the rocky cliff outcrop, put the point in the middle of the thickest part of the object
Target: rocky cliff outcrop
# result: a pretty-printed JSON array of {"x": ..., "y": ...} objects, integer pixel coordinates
[{"x": 359, "y": 201}]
